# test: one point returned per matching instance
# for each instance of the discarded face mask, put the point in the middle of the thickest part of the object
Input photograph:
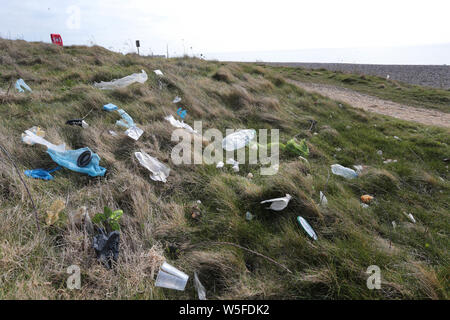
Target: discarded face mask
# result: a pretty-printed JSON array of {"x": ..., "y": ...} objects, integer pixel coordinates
[
  {"x": 179, "y": 124},
  {"x": 323, "y": 200},
  {"x": 299, "y": 149},
  {"x": 107, "y": 247},
  {"x": 110, "y": 107},
  {"x": 366, "y": 198},
  {"x": 342, "y": 171},
  {"x": 35, "y": 135},
  {"x": 176, "y": 100},
  {"x": 53, "y": 212},
  {"x": 158, "y": 72},
  {"x": 41, "y": 173},
  {"x": 123, "y": 82},
  {"x": 21, "y": 84},
  {"x": 82, "y": 160},
  {"x": 159, "y": 171},
  {"x": 77, "y": 122},
  {"x": 305, "y": 225},
  {"x": 201, "y": 292},
  {"x": 278, "y": 204},
  {"x": 171, "y": 278},
  {"x": 238, "y": 140}
]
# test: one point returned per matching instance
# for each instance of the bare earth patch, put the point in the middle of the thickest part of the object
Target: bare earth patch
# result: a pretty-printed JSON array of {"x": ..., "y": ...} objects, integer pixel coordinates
[{"x": 373, "y": 104}]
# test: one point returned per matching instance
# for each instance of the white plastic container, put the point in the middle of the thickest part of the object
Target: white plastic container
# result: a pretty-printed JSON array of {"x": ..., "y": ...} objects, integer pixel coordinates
[{"x": 171, "y": 278}]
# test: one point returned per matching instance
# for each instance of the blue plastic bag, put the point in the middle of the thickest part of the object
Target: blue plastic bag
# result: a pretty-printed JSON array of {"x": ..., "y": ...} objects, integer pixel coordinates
[
  {"x": 128, "y": 123},
  {"x": 41, "y": 173},
  {"x": 20, "y": 83},
  {"x": 110, "y": 107},
  {"x": 82, "y": 160}
]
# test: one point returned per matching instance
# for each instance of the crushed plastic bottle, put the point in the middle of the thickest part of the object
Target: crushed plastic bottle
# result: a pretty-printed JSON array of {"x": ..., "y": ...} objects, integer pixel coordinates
[
  {"x": 171, "y": 278},
  {"x": 342, "y": 171}
]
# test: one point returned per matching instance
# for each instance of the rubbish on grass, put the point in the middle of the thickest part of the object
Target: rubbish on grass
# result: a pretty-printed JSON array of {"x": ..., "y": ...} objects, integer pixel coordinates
[
  {"x": 278, "y": 204},
  {"x": 77, "y": 122},
  {"x": 134, "y": 132},
  {"x": 299, "y": 149},
  {"x": 365, "y": 206},
  {"x": 196, "y": 213},
  {"x": 379, "y": 152},
  {"x": 126, "y": 121},
  {"x": 41, "y": 173},
  {"x": 250, "y": 175},
  {"x": 82, "y": 160},
  {"x": 123, "y": 82},
  {"x": 410, "y": 217},
  {"x": 238, "y": 139},
  {"x": 21, "y": 84},
  {"x": 80, "y": 215},
  {"x": 107, "y": 247},
  {"x": 389, "y": 161},
  {"x": 201, "y": 292},
  {"x": 234, "y": 163},
  {"x": 113, "y": 133},
  {"x": 179, "y": 124},
  {"x": 35, "y": 135},
  {"x": 159, "y": 171},
  {"x": 323, "y": 200},
  {"x": 158, "y": 72},
  {"x": 397, "y": 138},
  {"x": 220, "y": 164},
  {"x": 394, "y": 224},
  {"x": 181, "y": 113},
  {"x": 248, "y": 216},
  {"x": 176, "y": 100},
  {"x": 366, "y": 198},
  {"x": 53, "y": 212},
  {"x": 342, "y": 171},
  {"x": 171, "y": 278},
  {"x": 303, "y": 159},
  {"x": 305, "y": 225},
  {"x": 110, "y": 107}
]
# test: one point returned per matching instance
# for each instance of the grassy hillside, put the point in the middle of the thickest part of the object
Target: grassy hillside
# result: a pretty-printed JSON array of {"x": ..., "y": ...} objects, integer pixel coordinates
[
  {"x": 157, "y": 223},
  {"x": 414, "y": 95}
]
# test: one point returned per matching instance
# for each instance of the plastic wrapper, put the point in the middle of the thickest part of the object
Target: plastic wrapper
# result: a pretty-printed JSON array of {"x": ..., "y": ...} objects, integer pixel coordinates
[
  {"x": 238, "y": 139},
  {"x": 159, "y": 171},
  {"x": 122, "y": 82},
  {"x": 171, "y": 278}
]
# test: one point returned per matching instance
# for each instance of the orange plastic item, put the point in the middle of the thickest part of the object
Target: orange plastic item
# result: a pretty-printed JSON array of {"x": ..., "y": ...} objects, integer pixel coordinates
[{"x": 366, "y": 198}]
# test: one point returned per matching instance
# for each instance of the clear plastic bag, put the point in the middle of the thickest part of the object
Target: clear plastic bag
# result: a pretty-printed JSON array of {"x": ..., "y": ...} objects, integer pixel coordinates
[
  {"x": 159, "y": 171},
  {"x": 342, "y": 171},
  {"x": 171, "y": 278},
  {"x": 36, "y": 135},
  {"x": 123, "y": 82},
  {"x": 179, "y": 124},
  {"x": 238, "y": 139}
]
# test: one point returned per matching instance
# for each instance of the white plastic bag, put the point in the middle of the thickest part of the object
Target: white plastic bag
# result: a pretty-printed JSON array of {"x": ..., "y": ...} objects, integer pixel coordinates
[
  {"x": 159, "y": 171},
  {"x": 278, "y": 204},
  {"x": 30, "y": 137},
  {"x": 158, "y": 72},
  {"x": 323, "y": 200},
  {"x": 238, "y": 139},
  {"x": 134, "y": 132},
  {"x": 179, "y": 124},
  {"x": 123, "y": 82},
  {"x": 171, "y": 278},
  {"x": 342, "y": 171}
]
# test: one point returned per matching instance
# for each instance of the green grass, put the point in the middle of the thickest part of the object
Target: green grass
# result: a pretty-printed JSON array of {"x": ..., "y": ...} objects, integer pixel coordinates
[
  {"x": 157, "y": 224},
  {"x": 414, "y": 95}
]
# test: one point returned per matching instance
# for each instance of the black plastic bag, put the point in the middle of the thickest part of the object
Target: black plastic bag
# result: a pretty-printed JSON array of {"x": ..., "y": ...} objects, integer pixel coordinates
[{"x": 107, "y": 247}]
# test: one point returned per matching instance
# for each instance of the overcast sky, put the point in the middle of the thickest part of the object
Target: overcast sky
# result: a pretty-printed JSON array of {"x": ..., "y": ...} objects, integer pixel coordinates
[{"x": 225, "y": 28}]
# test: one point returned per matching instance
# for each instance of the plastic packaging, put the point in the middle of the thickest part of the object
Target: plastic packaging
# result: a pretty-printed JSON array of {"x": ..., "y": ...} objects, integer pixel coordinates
[
  {"x": 278, "y": 204},
  {"x": 305, "y": 225},
  {"x": 75, "y": 160},
  {"x": 323, "y": 200},
  {"x": 201, "y": 292},
  {"x": 158, "y": 72},
  {"x": 347, "y": 173},
  {"x": 35, "y": 135},
  {"x": 107, "y": 248},
  {"x": 366, "y": 198},
  {"x": 238, "y": 139},
  {"x": 220, "y": 164},
  {"x": 41, "y": 173},
  {"x": 171, "y": 278},
  {"x": 126, "y": 121},
  {"x": 176, "y": 100},
  {"x": 123, "y": 82},
  {"x": 134, "y": 133},
  {"x": 179, "y": 124},
  {"x": 159, "y": 171},
  {"x": 110, "y": 107},
  {"x": 77, "y": 122},
  {"x": 21, "y": 84},
  {"x": 248, "y": 216}
]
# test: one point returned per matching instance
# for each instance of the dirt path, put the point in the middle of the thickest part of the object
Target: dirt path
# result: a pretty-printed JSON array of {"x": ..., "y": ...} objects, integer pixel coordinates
[{"x": 373, "y": 104}]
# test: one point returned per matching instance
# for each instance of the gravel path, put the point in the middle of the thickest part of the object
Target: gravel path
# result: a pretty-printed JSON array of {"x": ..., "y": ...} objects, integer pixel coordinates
[
  {"x": 373, "y": 104},
  {"x": 431, "y": 75}
]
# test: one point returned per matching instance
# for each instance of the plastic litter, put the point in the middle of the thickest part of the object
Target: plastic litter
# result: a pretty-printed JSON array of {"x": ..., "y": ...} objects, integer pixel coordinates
[
  {"x": 410, "y": 217},
  {"x": 35, "y": 135},
  {"x": 250, "y": 175},
  {"x": 158, "y": 72},
  {"x": 366, "y": 198},
  {"x": 107, "y": 247},
  {"x": 347, "y": 173},
  {"x": 394, "y": 224},
  {"x": 53, "y": 212},
  {"x": 113, "y": 133},
  {"x": 389, "y": 161},
  {"x": 201, "y": 292},
  {"x": 220, "y": 164},
  {"x": 238, "y": 139},
  {"x": 171, "y": 278},
  {"x": 379, "y": 152},
  {"x": 41, "y": 173},
  {"x": 278, "y": 204},
  {"x": 305, "y": 225},
  {"x": 82, "y": 160},
  {"x": 299, "y": 149},
  {"x": 110, "y": 107},
  {"x": 179, "y": 124},
  {"x": 126, "y": 121},
  {"x": 248, "y": 216},
  {"x": 365, "y": 206},
  {"x": 323, "y": 200},
  {"x": 234, "y": 163},
  {"x": 176, "y": 100},
  {"x": 21, "y": 84},
  {"x": 159, "y": 171},
  {"x": 77, "y": 122},
  {"x": 123, "y": 82},
  {"x": 134, "y": 133}
]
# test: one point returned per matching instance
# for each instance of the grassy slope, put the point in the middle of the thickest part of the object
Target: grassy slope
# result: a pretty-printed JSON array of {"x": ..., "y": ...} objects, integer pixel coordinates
[
  {"x": 414, "y": 95},
  {"x": 157, "y": 220}
]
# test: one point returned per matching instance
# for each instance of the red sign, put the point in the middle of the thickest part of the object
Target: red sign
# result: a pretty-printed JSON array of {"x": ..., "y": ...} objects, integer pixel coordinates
[{"x": 56, "y": 39}]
